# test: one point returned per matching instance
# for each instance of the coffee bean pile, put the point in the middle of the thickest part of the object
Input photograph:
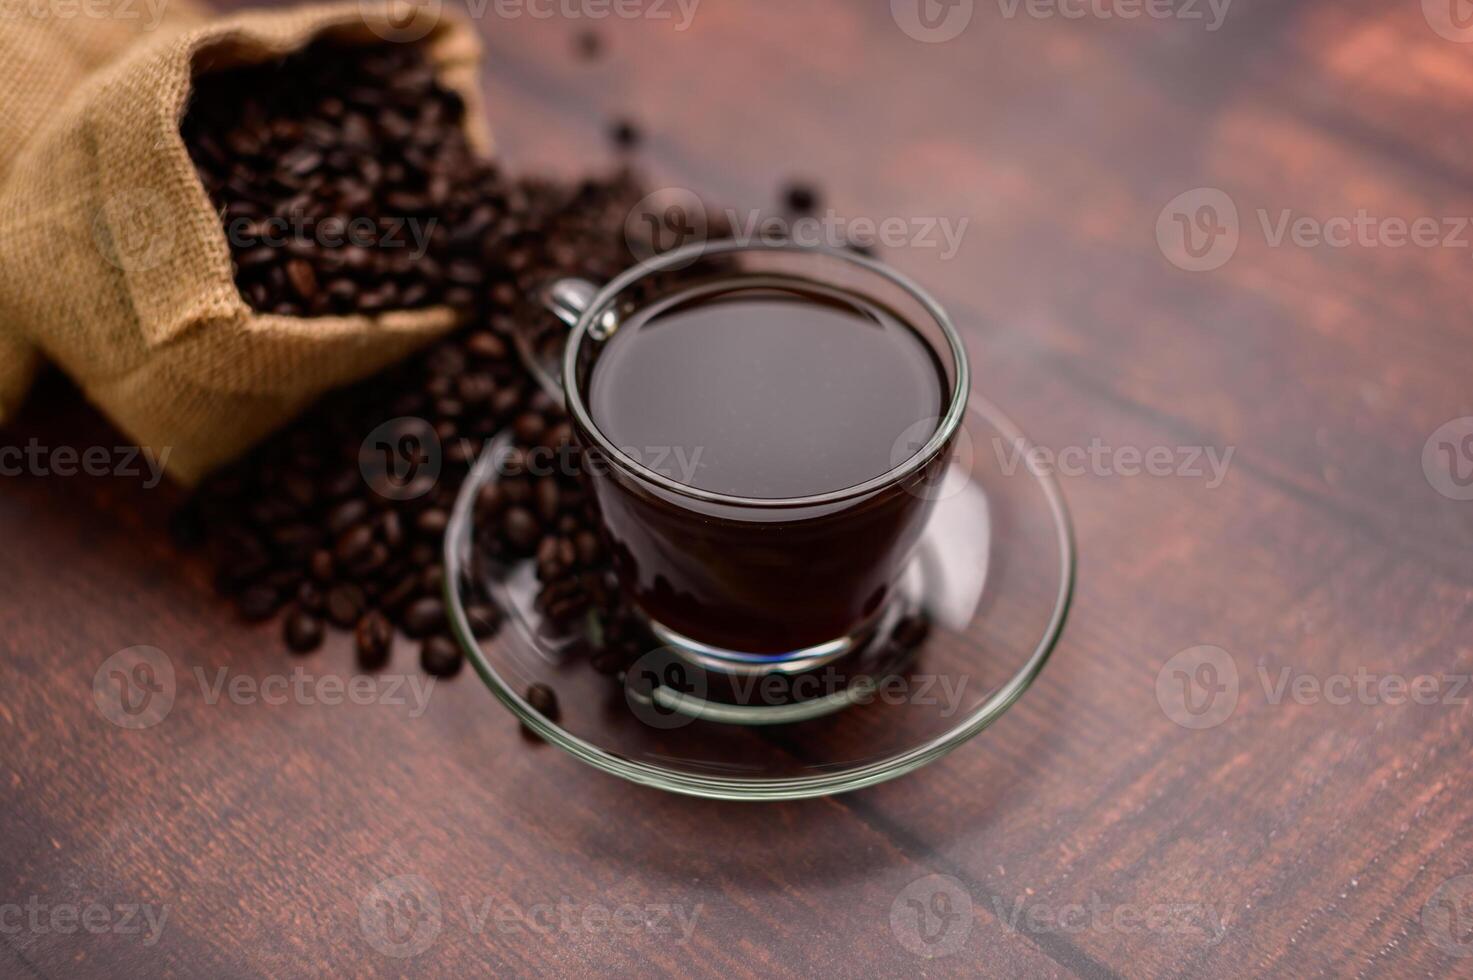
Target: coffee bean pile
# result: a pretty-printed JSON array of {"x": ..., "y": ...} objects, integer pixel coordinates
[
  {"x": 346, "y": 184},
  {"x": 296, "y": 528}
]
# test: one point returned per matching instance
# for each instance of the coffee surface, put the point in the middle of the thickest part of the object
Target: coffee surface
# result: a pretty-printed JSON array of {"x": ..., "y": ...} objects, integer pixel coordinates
[{"x": 765, "y": 391}]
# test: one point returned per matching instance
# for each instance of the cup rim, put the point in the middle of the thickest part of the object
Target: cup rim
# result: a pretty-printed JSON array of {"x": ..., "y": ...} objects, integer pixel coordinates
[{"x": 949, "y": 422}]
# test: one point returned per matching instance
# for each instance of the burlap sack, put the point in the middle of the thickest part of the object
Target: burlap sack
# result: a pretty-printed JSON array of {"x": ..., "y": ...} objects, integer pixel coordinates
[{"x": 113, "y": 262}]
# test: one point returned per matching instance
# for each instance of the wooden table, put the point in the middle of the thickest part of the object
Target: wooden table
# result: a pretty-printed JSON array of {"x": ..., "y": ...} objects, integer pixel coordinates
[{"x": 1087, "y": 832}]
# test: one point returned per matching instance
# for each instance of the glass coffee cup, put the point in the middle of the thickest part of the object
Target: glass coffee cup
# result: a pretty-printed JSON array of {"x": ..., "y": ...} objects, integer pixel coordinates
[{"x": 751, "y": 563}]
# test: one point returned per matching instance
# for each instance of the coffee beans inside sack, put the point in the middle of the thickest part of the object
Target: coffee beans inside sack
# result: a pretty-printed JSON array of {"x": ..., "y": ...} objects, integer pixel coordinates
[{"x": 117, "y": 267}]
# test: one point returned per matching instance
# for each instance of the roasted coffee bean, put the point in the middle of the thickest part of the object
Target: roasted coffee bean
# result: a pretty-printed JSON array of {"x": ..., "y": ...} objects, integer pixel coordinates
[
  {"x": 489, "y": 499},
  {"x": 625, "y": 135},
  {"x": 353, "y": 544},
  {"x": 390, "y": 529},
  {"x": 516, "y": 489},
  {"x": 506, "y": 402},
  {"x": 259, "y": 602},
  {"x": 486, "y": 345},
  {"x": 423, "y": 617},
  {"x": 345, "y": 603},
  {"x": 432, "y": 522},
  {"x": 588, "y": 44},
  {"x": 520, "y": 528},
  {"x": 303, "y": 280},
  {"x": 548, "y": 498},
  {"x": 541, "y": 699},
  {"x": 528, "y": 427},
  {"x": 369, "y": 563},
  {"x": 587, "y": 546},
  {"x": 440, "y": 657},
  {"x": 322, "y": 567},
  {"x": 310, "y": 598},
  {"x": 484, "y": 620},
  {"x": 346, "y": 514},
  {"x": 374, "y": 640},
  {"x": 474, "y": 388},
  {"x": 800, "y": 198},
  {"x": 406, "y": 587},
  {"x": 302, "y": 631}
]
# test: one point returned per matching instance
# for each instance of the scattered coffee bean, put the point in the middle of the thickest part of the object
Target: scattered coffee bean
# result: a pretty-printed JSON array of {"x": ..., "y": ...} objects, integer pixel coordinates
[
  {"x": 345, "y": 604},
  {"x": 432, "y": 522},
  {"x": 549, "y": 500},
  {"x": 520, "y": 528},
  {"x": 625, "y": 134},
  {"x": 353, "y": 544},
  {"x": 800, "y": 198},
  {"x": 303, "y": 631},
  {"x": 423, "y": 617},
  {"x": 484, "y": 620},
  {"x": 588, "y": 547},
  {"x": 322, "y": 567},
  {"x": 309, "y": 597},
  {"x": 542, "y": 700},
  {"x": 374, "y": 639},
  {"x": 303, "y": 280},
  {"x": 397, "y": 595},
  {"x": 345, "y": 515},
  {"x": 440, "y": 657},
  {"x": 589, "y": 45}
]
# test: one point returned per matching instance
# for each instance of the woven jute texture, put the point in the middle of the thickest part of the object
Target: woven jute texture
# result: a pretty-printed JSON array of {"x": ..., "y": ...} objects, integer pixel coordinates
[{"x": 113, "y": 262}]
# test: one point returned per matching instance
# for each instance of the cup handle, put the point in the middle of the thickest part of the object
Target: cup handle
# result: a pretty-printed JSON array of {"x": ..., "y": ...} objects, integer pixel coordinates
[{"x": 566, "y": 299}]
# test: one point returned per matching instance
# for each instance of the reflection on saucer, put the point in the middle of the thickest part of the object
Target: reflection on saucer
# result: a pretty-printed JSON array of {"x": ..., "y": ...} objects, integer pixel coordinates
[{"x": 949, "y": 572}]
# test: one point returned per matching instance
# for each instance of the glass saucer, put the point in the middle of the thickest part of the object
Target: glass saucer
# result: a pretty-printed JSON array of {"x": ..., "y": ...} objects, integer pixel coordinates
[{"x": 993, "y": 576}]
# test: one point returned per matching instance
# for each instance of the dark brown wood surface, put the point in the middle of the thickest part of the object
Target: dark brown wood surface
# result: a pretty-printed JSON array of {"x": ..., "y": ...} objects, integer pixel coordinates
[{"x": 1295, "y": 838}]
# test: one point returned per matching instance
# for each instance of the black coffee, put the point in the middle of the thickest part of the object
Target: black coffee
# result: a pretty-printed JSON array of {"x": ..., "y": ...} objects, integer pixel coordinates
[{"x": 765, "y": 390}]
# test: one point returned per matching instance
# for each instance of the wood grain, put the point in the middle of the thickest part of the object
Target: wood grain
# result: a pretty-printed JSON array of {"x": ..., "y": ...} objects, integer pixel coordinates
[{"x": 1313, "y": 833}]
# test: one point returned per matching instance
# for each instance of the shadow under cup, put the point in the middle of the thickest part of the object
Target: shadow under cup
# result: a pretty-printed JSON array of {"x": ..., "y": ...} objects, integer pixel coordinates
[{"x": 752, "y": 584}]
